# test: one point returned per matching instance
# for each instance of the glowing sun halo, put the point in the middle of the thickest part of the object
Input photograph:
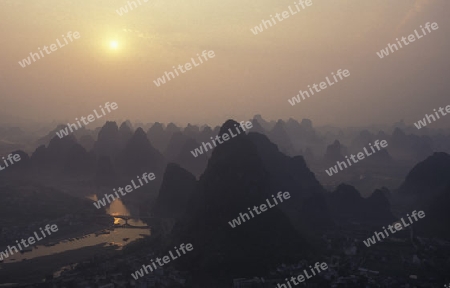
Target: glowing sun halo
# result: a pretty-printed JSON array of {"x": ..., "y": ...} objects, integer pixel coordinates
[{"x": 113, "y": 45}]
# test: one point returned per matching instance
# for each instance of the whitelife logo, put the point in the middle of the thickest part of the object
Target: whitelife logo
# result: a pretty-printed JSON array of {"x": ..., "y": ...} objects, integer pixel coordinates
[
  {"x": 27, "y": 61},
  {"x": 31, "y": 240},
  {"x": 162, "y": 80},
  {"x": 422, "y": 123},
  {"x": 11, "y": 159},
  {"x": 148, "y": 268},
  {"x": 323, "y": 85},
  {"x": 124, "y": 9},
  {"x": 90, "y": 118},
  {"x": 360, "y": 155},
  {"x": 225, "y": 137},
  {"x": 398, "y": 226},
  {"x": 411, "y": 38},
  {"x": 281, "y": 16},
  {"x": 102, "y": 202},
  {"x": 235, "y": 222},
  {"x": 319, "y": 267}
]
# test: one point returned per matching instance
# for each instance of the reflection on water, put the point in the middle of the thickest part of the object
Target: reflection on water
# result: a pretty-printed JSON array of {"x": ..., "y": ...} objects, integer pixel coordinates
[
  {"x": 116, "y": 236},
  {"x": 118, "y": 221},
  {"x": 117, "y": 208}
]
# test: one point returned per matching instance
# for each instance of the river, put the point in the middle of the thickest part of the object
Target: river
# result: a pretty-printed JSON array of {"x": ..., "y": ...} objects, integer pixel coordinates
[{"x": 115, "y": 237}]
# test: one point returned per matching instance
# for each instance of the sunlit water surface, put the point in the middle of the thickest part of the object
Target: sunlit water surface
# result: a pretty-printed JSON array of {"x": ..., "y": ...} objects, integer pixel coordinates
[{"x": 116, "y": 236}]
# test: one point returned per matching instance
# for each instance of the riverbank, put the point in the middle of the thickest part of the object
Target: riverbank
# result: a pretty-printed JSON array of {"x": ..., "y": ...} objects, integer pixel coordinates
[{"x": 32, "y": 271}]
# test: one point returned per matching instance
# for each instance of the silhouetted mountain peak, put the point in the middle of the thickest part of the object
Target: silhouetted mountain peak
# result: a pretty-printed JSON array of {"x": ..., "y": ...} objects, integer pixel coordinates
[
  {"x": 62, "y": 143},
  {"x": 428, "y": 176},
  {"x": 171, "y": 127},
  {"x": 347, "y": 193},
  {"x": 348, "y": 205},
  {"x": 266, "y": 125},
  {"x": 110, "y": 128},
  {"x": 175, "y": 144},
  {"x": 184, "y": 158},
  {"x": 140, "y": 136},
  {"x": 280, "y": 125},
  {"x": 176, "y": 189},
  {"x": 107, "y": 141},
  {"x": 78, "y": 161},
  {"x": 191, "y": 128},
  {"x": 140, "y": 156},
  {"x": 125, "y": 133},
  {"x": 230, "y": 125},
  {"x": 378, "y": 196},
  {"x": 306, "y": 124},
  {"x": 125, "y": 128},
  {"x": 398, "y": 133},
  {"x": 257, "y": 127},
  {"x": 234, "y": 180},
  {"x": 334, "y": 152},
  {"x": 207, "y": 130},
  {"x": 156, "y": 128}
]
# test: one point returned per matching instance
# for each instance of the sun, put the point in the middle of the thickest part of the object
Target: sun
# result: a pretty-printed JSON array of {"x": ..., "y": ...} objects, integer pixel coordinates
[{"x": 113, "y": 45}]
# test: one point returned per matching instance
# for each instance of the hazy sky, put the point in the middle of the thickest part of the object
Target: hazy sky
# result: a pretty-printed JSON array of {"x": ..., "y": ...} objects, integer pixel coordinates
[{"x": 251, "y": 74}]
